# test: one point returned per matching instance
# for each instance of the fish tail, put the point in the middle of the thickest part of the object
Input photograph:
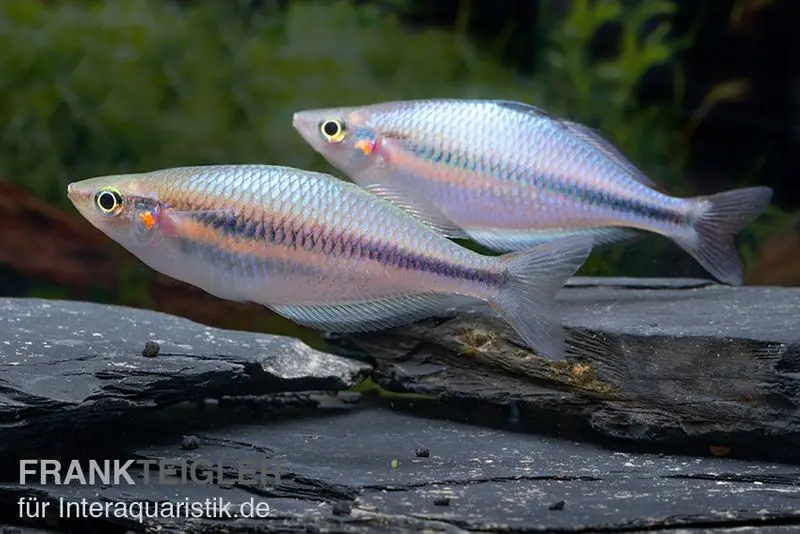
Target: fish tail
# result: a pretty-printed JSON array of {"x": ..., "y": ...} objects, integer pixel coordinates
[
  {"x": 527, "y": 300},
  {"x": 716, "y": 219}
]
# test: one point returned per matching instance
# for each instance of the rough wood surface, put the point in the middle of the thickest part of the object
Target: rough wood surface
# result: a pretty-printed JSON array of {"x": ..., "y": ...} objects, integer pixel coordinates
[
  {"x": 655, "y": 363},
  {"x": 666, "y": 364},
  {"x": 69, "y": 368},
  {"x": 361, "y": 470}
]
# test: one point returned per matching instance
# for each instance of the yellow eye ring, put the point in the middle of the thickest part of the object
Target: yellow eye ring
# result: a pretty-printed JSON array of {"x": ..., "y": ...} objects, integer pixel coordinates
[
  {"x": 333, "y": 130},
  {"x": 109, "y": 201}
]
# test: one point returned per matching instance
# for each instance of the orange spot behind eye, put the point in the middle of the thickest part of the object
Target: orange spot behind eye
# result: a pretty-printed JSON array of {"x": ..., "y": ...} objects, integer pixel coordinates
[
  {"x": 148, "y": 220},
  {"x": 365, "y": 146}
]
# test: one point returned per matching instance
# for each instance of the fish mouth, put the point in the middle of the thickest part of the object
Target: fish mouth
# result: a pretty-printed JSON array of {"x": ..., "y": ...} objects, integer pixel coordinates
[
  {"x": 75, "y": 193},
  {"x": 80, "y": 196},
  {"x": 305, "y": 124}
]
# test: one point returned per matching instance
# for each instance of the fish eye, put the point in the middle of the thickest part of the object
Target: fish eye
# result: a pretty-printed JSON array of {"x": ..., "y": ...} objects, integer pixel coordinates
[
  {"x": 108, "y": 201},
  {"x": 333, "y": 130}
]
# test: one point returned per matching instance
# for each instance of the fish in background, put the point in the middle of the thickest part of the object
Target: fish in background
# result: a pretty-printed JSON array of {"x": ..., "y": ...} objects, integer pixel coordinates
[
  {"x": 512, "y": 177},
  {"x": 321, "y": 251}
]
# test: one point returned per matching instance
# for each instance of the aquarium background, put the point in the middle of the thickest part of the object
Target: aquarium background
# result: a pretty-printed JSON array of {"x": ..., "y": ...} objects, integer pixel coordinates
[{"x": 702, "y": 95}]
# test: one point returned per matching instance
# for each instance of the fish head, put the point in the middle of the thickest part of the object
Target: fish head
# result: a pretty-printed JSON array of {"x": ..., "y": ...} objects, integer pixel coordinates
[
  {"x": 124, "y": 207},
  {"x": 343, "y": 136}
]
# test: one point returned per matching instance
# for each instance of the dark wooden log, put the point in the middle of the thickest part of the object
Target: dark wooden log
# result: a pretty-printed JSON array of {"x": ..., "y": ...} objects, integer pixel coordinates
[
  {"x": 362, "y": 470},
  {"x": 652, "y": 362},
  {"x": 69, "y": 370},
  {"x": 669, "y": 365}
]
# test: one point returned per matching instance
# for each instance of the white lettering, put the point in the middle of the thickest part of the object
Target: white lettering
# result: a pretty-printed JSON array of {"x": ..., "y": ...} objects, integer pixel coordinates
[
  {"x": 121, "y": 471},
  {"x": 252, "y": 509},
  {"x": 31, "y": 507}
]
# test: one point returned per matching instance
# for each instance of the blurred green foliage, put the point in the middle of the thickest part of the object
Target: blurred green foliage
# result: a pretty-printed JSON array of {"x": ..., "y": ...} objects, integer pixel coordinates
[{"x": 96, "y": 87}]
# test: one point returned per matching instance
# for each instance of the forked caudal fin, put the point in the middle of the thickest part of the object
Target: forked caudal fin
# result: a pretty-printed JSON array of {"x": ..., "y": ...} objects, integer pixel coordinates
[
  {"x": 528, "y": 299},
  {"x": 716, "y": 220}
]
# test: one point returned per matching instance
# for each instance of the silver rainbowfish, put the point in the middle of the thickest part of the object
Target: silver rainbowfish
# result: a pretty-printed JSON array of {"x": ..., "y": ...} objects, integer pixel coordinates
[
  {"x": 513, "y": 176},
  {"x": 322, "y": 251}
]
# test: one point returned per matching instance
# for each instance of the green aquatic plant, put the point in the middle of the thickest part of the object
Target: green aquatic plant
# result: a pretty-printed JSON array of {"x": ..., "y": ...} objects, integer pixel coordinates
[
  {"x": 106, "y": 87},
  {"x": 97, "y": 87},
  {"x": 603, "y": 94}
]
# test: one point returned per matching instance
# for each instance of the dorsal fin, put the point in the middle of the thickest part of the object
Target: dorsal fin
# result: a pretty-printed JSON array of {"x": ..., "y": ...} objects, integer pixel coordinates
[
  {"x": 587, "y": 135},
  {"x": 419, "y": 207},
  {"x": 591, "y": 136},
  {"x": 522, "y": 107}
]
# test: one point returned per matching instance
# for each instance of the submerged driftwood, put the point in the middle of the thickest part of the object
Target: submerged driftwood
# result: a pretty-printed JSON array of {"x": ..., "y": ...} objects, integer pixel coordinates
[
  {"x": 374, "y": 470},
  {"x": 665, "y": 364},
  {"x": 70, "y": 368},
  {"x": 654, "y": 363}
]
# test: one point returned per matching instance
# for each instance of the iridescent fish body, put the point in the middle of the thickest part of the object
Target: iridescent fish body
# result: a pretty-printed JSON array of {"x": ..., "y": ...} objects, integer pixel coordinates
[
  {"x": 512, "y": 176},
  {"x": 321, "y": 251}
]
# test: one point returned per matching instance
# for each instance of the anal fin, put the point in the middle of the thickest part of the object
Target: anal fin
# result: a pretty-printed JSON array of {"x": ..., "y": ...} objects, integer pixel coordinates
[{"x": 372, "y": 314}]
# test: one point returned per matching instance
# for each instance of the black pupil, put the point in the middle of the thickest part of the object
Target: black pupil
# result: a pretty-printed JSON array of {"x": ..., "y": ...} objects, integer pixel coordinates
[
  {"x": 107, "y": 201},
  {"x": 331, "y": 128}
]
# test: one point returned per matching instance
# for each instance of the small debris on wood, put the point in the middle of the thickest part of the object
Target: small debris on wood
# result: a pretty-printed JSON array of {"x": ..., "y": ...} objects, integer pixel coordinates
[
  {"x": 441, "y": 501},
  {"x": 557, "y": 505},
  {"x": 151, "y": 349},
  {"x": 422, "y": 452},
  {"x": 189, "y": 443},
  {"x": 342, "y": 508}
]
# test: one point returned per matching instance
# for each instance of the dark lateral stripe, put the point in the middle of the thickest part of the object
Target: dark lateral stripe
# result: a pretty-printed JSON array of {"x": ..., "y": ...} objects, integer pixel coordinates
[
  {"x": 265, "y": 231},
  {"x": 242, "y": 264},
  {"x": 543, "y": 182}
]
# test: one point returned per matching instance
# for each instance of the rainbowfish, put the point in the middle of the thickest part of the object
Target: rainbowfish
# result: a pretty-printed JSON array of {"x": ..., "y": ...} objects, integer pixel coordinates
[
  {"x": 512, "y": 176},
  {"x": 321, "y": 251}
]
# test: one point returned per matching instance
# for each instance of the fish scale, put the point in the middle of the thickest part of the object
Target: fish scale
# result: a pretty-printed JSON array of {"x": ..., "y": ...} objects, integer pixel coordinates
[
  {"x": 511, "y": 176},
  {"x": 324, "y": 252}
]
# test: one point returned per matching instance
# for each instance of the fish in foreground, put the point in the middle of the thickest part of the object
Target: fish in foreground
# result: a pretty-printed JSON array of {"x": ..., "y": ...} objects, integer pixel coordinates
[
  {"x": 321, "y": 251},
  {"x": 512, "y": 176}
]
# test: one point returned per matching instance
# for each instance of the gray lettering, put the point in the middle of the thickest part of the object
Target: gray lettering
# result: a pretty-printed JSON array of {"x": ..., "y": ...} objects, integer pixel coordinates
[
  {"x": 203, "y": 466},
  {"x": 75, "y": 472},
  {"x": 24, "y": 470},
  {"x": 104, "y": 473},
  {"x": 146, "y": 464},
  {"x": 164, "y": 470},
  {"x": 53, "y": 468}
]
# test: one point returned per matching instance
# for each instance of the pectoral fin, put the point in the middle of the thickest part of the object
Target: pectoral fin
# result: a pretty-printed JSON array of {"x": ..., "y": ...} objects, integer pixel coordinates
[{"x": 418, "y": 206}]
